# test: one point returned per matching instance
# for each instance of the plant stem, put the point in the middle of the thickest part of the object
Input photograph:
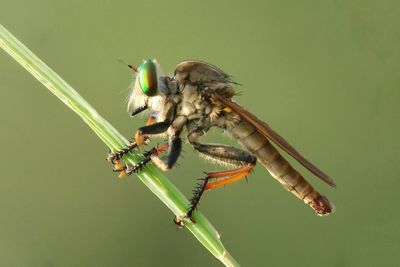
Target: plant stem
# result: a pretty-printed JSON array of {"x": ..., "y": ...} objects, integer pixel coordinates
[{"x": 150, "y": 176}]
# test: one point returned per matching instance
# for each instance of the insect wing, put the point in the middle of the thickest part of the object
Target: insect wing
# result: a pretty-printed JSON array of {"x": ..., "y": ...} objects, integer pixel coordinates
[
  {"x": 195, "y": 71},
  {"x": 268, "y": 132}
]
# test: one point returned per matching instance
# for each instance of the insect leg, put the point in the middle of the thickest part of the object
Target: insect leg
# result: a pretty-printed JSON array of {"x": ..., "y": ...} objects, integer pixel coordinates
[
  {"x": 174, "y": 150},
  {"x": 223, "y": 178},
  {"x": 116, "y": 156},
  {"x": 158, "y": 127},
  {"x": 225, "y": 154},
  {"x": 175, "y": 144},
  {"x": 155, "y": 128},
  {"x": 129, "y": 169}
]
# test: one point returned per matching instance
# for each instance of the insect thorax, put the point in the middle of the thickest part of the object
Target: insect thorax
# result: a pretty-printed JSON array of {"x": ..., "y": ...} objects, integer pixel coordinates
[{"x": 201, "y": 111}]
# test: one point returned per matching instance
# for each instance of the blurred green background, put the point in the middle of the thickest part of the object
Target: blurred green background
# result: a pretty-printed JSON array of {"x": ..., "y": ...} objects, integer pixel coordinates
[{"x": 325, "y": 74}]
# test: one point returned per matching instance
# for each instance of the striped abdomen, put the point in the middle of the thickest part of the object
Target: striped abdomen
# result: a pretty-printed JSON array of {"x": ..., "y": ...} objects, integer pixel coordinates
[{"x": 278, "y": 167}]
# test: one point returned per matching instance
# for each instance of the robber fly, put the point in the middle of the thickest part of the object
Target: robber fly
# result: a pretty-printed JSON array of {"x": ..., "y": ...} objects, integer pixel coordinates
[{"x": 198, "y": 97}]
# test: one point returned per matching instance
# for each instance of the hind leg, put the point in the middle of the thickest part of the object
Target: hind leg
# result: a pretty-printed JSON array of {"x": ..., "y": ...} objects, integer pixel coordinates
[{"x": 242, "y": 160}]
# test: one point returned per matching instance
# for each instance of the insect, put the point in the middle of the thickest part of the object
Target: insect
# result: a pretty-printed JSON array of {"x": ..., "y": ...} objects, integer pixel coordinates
[{"x": 196, "y": 98}]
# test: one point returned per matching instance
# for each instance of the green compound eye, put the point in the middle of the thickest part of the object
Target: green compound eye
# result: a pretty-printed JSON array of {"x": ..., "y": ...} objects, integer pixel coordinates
[{"x": 148, "y": 80}]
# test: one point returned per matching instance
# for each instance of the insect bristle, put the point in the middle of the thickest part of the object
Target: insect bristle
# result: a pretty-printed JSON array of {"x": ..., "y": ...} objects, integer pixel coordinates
[{"x": 220, "y": 161}]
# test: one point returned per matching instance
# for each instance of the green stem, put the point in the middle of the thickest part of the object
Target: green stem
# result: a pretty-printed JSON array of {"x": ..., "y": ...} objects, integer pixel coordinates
[{"x": 150, "y": 176}]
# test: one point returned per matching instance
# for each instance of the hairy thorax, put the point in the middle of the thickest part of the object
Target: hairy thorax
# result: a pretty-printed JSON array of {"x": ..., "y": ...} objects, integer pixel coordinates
[
  {"x": 195, "y": 107},
  {"x": 201, "y": 112}
]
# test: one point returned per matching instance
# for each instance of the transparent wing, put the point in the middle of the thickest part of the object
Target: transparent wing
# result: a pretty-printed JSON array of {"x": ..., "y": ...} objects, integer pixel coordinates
[{"x": 268, "y": 132}]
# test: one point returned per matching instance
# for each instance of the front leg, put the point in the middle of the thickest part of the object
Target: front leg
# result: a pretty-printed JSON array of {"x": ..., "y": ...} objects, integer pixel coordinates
[
  {"x": 140, "y": 138},
  {"x": 156, "y": 128},
  {"x": 129, "y": 169},
  {"x": 114, "y": 157}
]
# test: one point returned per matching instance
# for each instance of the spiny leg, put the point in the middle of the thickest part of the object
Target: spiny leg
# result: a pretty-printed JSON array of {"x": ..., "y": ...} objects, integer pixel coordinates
[
  {"x": 226, "y": 154},
  {"x": 174, "y": 150},
  {"x": 116, "y": 156},
  {"x": 223, "y": 178},
  {"x": 129, "y": 169}
]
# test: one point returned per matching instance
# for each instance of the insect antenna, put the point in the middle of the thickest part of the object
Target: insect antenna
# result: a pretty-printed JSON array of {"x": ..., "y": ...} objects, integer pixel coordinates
[{"x": 129, "y": 65}]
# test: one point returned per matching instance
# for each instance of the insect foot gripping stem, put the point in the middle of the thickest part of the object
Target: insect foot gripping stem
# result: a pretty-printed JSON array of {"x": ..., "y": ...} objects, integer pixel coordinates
[
  {"x": 113, "y": 157},
  {"x": 125, "y": 170},
  {"x": 178, "y": 221}
]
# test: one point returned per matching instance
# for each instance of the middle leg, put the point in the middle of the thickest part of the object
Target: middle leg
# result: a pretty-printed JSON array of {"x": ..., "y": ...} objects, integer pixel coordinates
[{"x": 174, "y": 144}]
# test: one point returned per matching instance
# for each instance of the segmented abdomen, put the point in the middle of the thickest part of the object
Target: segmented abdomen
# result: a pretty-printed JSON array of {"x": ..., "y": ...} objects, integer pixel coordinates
[{"x": 279, "y": 168}]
